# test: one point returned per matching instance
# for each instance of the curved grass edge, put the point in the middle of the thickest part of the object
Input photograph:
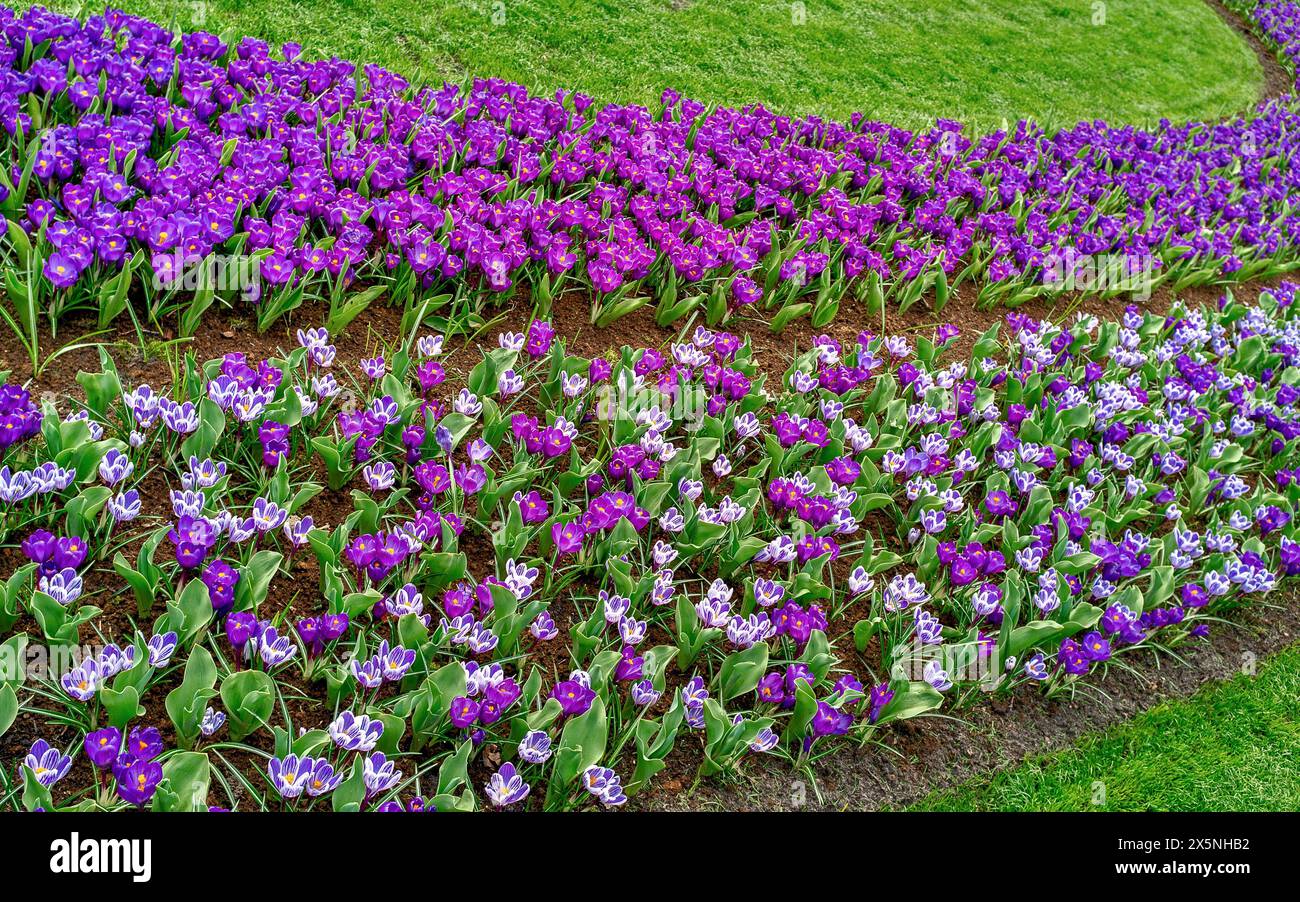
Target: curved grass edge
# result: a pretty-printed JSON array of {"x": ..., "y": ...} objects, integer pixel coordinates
[{"x": 1230, "y": 747}]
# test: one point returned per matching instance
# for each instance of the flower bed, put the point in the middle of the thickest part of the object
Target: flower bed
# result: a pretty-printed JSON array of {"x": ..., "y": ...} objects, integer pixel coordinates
[
  {"x": 396, "y": 585},
  {"x": 339, "y": 186}
]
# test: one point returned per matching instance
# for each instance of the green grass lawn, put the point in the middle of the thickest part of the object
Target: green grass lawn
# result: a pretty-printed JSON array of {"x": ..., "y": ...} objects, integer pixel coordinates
[
  {"x": 1234, "y": 746},
  {"x": 906, "y": 61}
]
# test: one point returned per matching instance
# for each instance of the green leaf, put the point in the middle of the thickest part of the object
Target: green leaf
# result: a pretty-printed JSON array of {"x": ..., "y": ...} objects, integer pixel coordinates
[
  {"x": 185, "y": 782},
  {"x": 114, "y": 294},
  {"x": 352, "y": 791},
  {"x": 805, "y": 706},
  {"x": 34, "y": 794},
  {"x": 910, "y": 699},
  {"x": 121, "y": 706},
  {"x": 350, "y": 309},
  {"x": 582, "y": 744},
  {"x": 204, "y": 295},
  {"x": 788, "y": 315},
  {"x": 249, "y": 699},
  {"x": 255, "y": 579},
  {"x": 1036, "y": 632},
  {"x": 13, "y": 658},
  {"x": 454, "y": 772},
  {"x": 459, "y": 425},
  {"x": 19, "y": 239},
  {"x": 8, "y": 708},
  {"x": 101, "y": 389},
  {"x": 187, "y": 703},
  {"x": 52, "y": 618},
  {"x": 742, "y": 671}
]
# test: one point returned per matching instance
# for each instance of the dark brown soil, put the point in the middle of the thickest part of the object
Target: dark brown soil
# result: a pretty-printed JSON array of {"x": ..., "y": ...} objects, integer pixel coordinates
[{"x": 232, "y": 330}]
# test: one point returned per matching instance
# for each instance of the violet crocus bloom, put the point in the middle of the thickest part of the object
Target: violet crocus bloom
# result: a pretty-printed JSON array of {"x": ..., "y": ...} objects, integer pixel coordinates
[
  {"x": 573, "y": 696},
  {"x": 289, "y": 775},
  {"x": 605, "y": 785},
  {"x": 83, "y": 681},
  {"x": 1071, "y": 658},
  {"x": 308, "y": 630},
  {"x": 103, "y": 746},
  {"x": 115, "y": 467},
  {"x": 380, "y": 774},
  {"x": 843, "y": 470},
  {"x": 297, "y": 530},
  {"x": 192, "y": 538},
  {"x": 70, "y": 552},
  {"x": 125, "y": 507},
  {"x": 567, "y": 537},
  {"x": 503, "y": 693},
  {"x": 39, "y": 547},
  {"x": 880, "y": 696},
  {"x": 47, "y": 764},
  {"x": 829, "y": 721},
  {"x": 144, "y": 744},
  {"x": 370, "y": 673},
  {"x": 240, "y": 627},
  {"x": 765, "y": 741},
  {"x": 161, "y": 647},
  {"x": 962, "y": 572},
  {"x": 644, "y": 693},
  {"x": 356, "y": 732},
  {"x": 322, "y": 778},
  {"x": 464, "y": 712},
  {"x": 333, "y": 626},
  {"x": 772, "y": 688},
  {"x": 221, "y": 579},
  {"x": 137, "y": 780},
  {"x": 212, "y": 721},
  {"x": 1094, "y": 647},
  {"x": 999, "y": 504},
  {"x": 396, "y": 661},
  {"x": 506, "y": 787},
  {"x": 535, "y": 748},
  {"x": 543, "y": 627}
]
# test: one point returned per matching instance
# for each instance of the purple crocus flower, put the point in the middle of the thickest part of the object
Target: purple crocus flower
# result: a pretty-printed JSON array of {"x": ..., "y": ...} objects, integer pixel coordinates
[
  {"x": 380, "y": 774},
  {"x": 506, "y": 787},
  {"x": 535, "y": 748},
  {"x": 47, "y": 764},
  {"x": 573, "y": 696},
  {"x": 322, "y": 779},
  {"x": 241, "y": 626},
  {"x": 137, "y": 780},
  {"x": 161, "y": 647},
  {"x": 567, "y": 537},
  {"x": 289, "y": 775},
  {"x": 605, "y": 785},
  {"x": 830, "y": 721},
  {"x": 464, "y": 712},
  {"x": 103, "y": 746},
  {"x": 356, "y": 732},
  {"x": 144, "y": 744},
  {"x": 114, "y": 467}
]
